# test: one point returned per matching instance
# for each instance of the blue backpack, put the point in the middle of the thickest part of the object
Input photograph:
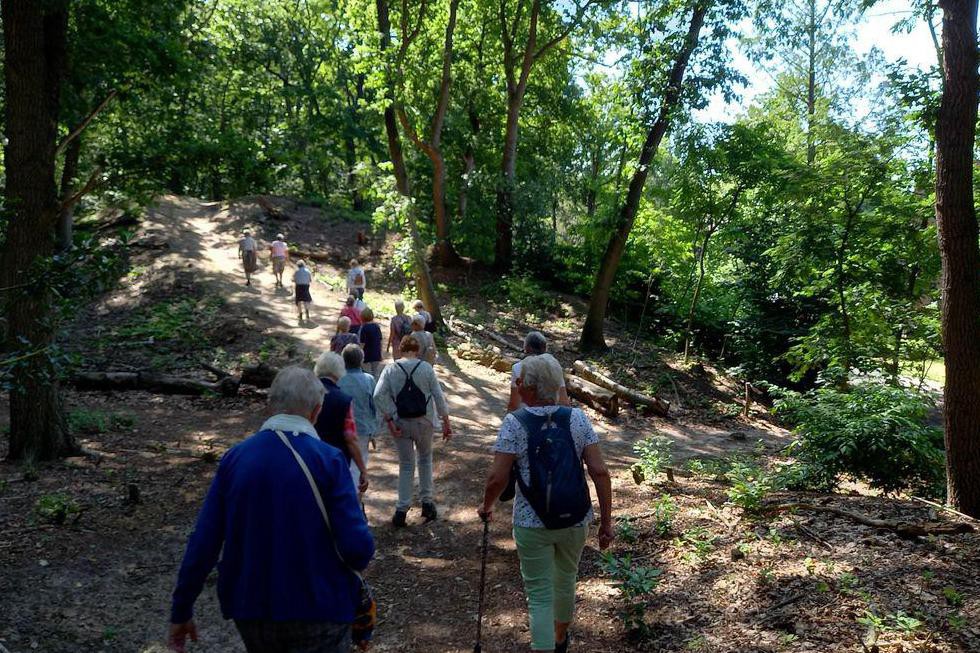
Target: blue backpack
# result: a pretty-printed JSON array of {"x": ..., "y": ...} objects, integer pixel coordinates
[{"x": 557, "y": 492}]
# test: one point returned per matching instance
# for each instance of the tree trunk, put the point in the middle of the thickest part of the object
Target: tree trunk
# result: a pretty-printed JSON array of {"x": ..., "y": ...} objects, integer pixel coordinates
[
  {"x": 592, "y": 332},
  {"x": 504, "y": 246},
  {"x": 957, "y": 220},
  {"x": 811, "y": 83},
  {"x": 69, "y": 172},
  {"x": 34, "y": 53},
  {"x": 697, "y": 294},
  {"x": 391, "y": 120}
]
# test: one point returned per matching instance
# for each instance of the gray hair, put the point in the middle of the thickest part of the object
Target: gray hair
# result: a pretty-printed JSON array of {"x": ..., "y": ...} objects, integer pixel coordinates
[
  {"x": 535, "y": 343},
  {"x": 353, "y": 356},
  {"x": 343, "y": 324},
  {"x": 543, "y": 373},
  {"x": 418, "y": 319},
  {"x": 330, "y": 365},
  {"x": 399, "y": 306},
  {"x": 296, "y": 391},
  {"x": 418, "y": 305}
]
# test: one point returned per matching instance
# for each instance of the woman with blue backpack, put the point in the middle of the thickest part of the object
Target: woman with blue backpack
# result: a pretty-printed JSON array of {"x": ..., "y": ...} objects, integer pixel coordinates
[
  {"x": 408, "y": 397},
  {"x": 545, "y": 444}
]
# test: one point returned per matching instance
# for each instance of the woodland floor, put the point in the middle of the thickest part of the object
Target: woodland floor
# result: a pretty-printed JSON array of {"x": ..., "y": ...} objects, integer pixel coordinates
[{"x": 101, "y": 581}]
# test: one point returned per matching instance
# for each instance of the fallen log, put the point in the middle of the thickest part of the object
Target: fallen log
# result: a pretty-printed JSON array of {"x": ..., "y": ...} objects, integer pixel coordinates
[
  {"x": 270, "y": 209},
  {"x": 492, "y": 335},
  {"x": 486, "y": 356},
  {"x": 154, "y": 382},
  {"x": 902, "y": 528},
  {"x": 654, "y": 404},
  {"x": 603, "y": 400},
  {"x": 259, "y": 375}
]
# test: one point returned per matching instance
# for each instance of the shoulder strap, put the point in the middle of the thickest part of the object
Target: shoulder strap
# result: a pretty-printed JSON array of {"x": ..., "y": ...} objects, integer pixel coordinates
[
  {"x": 414, "y": 368},
  {"x": 316, "y": 495}
]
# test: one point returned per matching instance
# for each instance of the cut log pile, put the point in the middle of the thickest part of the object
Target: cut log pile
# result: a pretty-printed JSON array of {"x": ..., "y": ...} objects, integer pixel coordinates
[
  {"x": 583, "y": 382},
  {"x": 154, "y": 382}
]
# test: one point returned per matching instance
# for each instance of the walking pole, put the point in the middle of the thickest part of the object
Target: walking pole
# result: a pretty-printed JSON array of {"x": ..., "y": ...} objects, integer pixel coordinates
[{"x": 483, "y": 579}]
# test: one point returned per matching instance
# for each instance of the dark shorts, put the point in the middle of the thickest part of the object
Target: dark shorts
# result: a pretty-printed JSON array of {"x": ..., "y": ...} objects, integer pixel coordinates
[
  {"x": 294, "y": 636},
  {"x": 303, "y": 293},
  {"x": 250, "y": 261}
]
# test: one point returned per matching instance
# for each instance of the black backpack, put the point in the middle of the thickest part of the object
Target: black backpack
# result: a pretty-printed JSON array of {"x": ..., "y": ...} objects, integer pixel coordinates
[
  {"x": 558, "y": 492},
  {"x": 410, "y": 400}
]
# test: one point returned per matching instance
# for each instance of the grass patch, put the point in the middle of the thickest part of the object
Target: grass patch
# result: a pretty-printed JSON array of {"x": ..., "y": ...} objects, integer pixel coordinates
[
  {"x": 92, "y": 422},
  {"x": 182, "y": 321}
]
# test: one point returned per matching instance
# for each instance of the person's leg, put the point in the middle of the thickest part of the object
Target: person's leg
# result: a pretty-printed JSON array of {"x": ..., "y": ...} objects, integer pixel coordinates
[
  {"x": 406, "y": 467},
  {"x": 306, "y": 307},
  {"x": 537, "y": 556},
  {"x": 423, "y": 445},
  {"x": 312, "y": 637},
  {"x": 259, "y": 636},
  {"x": 568, "y": 551}
]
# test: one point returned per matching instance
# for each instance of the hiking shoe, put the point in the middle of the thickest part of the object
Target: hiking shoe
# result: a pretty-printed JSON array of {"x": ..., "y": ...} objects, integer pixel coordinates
[
  {"x": 429, "y": 512},
  {"x": 563, "y": 647},
  {"x": 398, "y": 521}
]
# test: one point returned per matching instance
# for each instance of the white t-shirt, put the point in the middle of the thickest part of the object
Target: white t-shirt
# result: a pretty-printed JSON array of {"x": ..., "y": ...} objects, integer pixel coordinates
[
  {"x": 352, "y": 276},
  {"x": 513, "y": 439},
  {"x": 302, "y": 277},
  {"x": 247, "y": 244},
  {"x": 278, "y": 248}
]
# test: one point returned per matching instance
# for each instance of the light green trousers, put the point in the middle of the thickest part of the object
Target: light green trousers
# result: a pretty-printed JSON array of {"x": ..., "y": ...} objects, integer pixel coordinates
[{"x": 549, "y": 566}]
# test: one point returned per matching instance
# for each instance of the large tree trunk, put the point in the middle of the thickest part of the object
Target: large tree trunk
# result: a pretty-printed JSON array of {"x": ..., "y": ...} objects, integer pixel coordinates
[
  {"x": 391, "y": 120},
  {"x": 34, "y": 53},
  {"x": 69, "y": 173},
  {"x": 504, "y": 245},
  {"x": 592, "y": 332},
  {"x": 957, "y": 220}
]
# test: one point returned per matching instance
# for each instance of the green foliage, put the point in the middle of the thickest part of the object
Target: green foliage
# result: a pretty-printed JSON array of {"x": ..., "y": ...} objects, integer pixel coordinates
[
  {"x": 55, "y": 508},
  {"x": 699, "y": 542},
  {"x": 635, "y": 584},
  {"x": 626, "y": 530},
  {"x": 181, "y": 321},
  {"x": 524, "y": 293},
  {"x": 873, "y": 432},
  {"x": 93, "y": 422},
  {"x": 655, "y": 456},
  {"x": 664, "y": 511},
  {"x": 750, "y": 485}
]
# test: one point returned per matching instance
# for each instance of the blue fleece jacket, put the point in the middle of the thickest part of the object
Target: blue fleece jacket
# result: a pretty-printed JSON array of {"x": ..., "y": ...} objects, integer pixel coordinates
[{"x": 278, "y": 561}]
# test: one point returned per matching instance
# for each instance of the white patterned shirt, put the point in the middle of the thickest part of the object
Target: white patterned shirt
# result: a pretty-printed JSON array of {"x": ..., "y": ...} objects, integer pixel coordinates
[{"x": 513, "y": 439}]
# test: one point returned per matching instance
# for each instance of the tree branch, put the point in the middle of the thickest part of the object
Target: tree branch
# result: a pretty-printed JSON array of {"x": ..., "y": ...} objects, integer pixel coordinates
[
  {"x": 90, "y": 185},
  {"x": 572, "y": 24},
  {"x": 85, "y": 123}
]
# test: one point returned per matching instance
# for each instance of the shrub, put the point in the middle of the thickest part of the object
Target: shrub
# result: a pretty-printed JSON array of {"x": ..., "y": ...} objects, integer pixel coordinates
[
  {"x": 873, "y": 432},
  {"x": 751, "y": 484},
  {"x": 634, "y": 582},
  {"x": 664, "y": 511},
  {"x": 92, "y": 422},
  {"x": 55, "y": 508},
  {"x": 655, "y": 456}
]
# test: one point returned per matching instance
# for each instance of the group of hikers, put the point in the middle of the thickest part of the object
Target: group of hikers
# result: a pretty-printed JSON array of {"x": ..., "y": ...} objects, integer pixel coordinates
[{"x": 285, "y": 509}]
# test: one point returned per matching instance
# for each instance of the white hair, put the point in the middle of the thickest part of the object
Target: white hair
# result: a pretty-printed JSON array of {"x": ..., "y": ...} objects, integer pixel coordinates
[
  {"x": 418, "y": 305},
  {"x": 399, "y": 306},
  {"x": 330, "y": 365},
  {"x": 418, "y": 319},
  {"x": 343, "y": 324},
  {"x": 543, "y": 373},
  {"x": 279, "y": 236},
  {"x": 296, "y": 391},
  {"x": 301, "y": 263},
  {"x": 535, "y": 343}
]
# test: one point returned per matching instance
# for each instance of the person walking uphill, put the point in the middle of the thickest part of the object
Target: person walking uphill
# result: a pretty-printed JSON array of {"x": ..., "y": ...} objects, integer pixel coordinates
[
  {"x": 399, "y": 326},
  {"x": 285, "y": 577},
  {"x": 336, "y": 424},
  {"x": 302, "y": 279},
  {"x": 248, "y": 253},
  {"x": 359, "y": 386},
  {"x": 371, "y": 337},
  {"x": 407, "y": 396},
  {"x": 356, "y": 280},
  {"x": 552, "y": 508},
  {"x": 280, "y": 254},
  {"x": 535, "y": 344}
]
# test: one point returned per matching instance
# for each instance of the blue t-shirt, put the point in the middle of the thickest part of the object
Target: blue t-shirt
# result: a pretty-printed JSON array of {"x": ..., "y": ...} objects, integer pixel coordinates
[{"x": 371, "y": 341}]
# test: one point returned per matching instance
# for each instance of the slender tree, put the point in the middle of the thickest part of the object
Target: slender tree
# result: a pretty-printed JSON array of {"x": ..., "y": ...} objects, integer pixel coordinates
[
  {"x": 958, "y": 233},
  {"x": 592, "y": 332},
  {"x": 35, "y": 35}
]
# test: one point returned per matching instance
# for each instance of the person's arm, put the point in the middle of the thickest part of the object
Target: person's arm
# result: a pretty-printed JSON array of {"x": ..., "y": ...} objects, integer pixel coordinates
[
  {"x": 442, "y": 408},
  {"x": 203, "y": 549},
  {"x": 496, "y": 482},
  {"x": 350, "y": 438},
  {"x": 514, "y": 401},
  {"x": 349, "y": 528},
  {"x": 596, "y": 466},
  {"x": 384, "y": 403}
]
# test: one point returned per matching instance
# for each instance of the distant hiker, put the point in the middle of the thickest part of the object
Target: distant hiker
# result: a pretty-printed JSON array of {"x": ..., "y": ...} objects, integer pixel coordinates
[
  {"x": 351, "y": 311},
  {"x": 336, "y": 424},
  {"x": 343, "y": 336},
  {"x": 248, "y": 253},
  {"x": 408, "y": 396},
  {"x": 419, "y": 309},
  {"x": 359, "y": 386},
  {"x": 427, "y": 344},
  {"x": 371, "y": 338},
  {"x": 280, "y": 254},
  {"x": 399, "y": 327},
  {"x": 356, "y": 280},
  {"x": 535, "y": 344},
  {"x": 302, "y": 280},
  {"x": 284, "y": 577},
  {"x": 552, "y": 508}
]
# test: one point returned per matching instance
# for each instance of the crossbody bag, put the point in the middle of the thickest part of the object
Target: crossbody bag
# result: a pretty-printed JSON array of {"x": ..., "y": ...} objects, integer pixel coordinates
[{"x": 366, "y": 612}]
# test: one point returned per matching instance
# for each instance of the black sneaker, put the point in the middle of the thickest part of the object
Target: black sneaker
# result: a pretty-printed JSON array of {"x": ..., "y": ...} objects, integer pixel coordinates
[
  {"x": 398, "y": 521},
  {"x": 563, "y": 647},
  {"x": 429, "y": 512}
]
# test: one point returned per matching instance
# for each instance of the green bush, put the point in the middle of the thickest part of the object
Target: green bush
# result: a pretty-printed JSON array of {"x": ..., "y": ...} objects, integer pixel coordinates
[
  {"x": 84, "y": 420},
  {"x": 635, "y": 583},
  {"x": 655, "y": 456},
  {"x": 874, "y": 432},
  {"x": 526, "y": 293},
  {"x": 55, "y": 508},
  {"x": 664, "y": 511},
  {"x": 750, "y": 485}
]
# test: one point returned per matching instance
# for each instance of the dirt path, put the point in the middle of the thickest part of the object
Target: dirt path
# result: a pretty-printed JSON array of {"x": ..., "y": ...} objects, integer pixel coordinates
[{"x": 104, "y": 582}]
